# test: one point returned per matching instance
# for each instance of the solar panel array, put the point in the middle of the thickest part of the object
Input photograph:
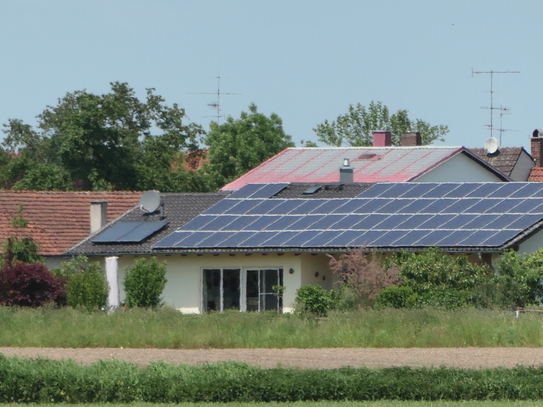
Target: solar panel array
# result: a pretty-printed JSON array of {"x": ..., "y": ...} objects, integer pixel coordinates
[
  {"x": 385, "y": 215},
  {"x": 125, "y": 232}
]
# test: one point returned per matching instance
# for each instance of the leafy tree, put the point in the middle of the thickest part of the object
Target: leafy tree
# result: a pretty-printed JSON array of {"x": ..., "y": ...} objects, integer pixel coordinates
[
  {"x": 144, "y": 283},
  {"x": 18, "y": 249},
  {"x": 314, "y": 299},
  {"x": 355, "y": 128},
  {"x": 85, "y": 283},
  {"x": 92, "y": 142},
  {"x": 239, "y": 145}
]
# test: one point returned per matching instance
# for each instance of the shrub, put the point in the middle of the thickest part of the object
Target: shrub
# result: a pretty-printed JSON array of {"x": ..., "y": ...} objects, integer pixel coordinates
[
  {"x": 314, "y": 299},
  {"x": 396, "y": 297},
  {"x": 362, "y": 275},
  {"x": 86, "y": 283},
  {"x": 30, "y": 285},
  {"x": 144, "y": 283}
]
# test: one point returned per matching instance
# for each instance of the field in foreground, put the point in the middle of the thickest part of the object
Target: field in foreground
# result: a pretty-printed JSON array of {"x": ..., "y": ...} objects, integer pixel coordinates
[{"x": 169, "y": 329}]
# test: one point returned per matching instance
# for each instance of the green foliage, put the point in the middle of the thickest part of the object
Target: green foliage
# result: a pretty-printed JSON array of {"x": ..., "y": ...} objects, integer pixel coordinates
[
  {"x": 440, "y": 279},
  {"x": 48, "y": 381},
  {"x": 239, "y": 145},
  {"x": 356, "y": 127},
  {"x": 85, "y": 283},
  {"x": 314, "y": 299},
  {"x": 144, "y": 283},
  {"x": 97, "y": 142},
  {"x": 396, "y": 297},
  {"x": 20, "y": 249}
]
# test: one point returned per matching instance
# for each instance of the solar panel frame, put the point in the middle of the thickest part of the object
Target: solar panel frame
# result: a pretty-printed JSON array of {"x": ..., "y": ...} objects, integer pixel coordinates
[
  {"x": 455, "y": 238},
  {"x": 301, "y": 238},
  {"x": 506, "y": 189},
  {"x": 374, "y": 191},
  {"x": 269, "y": 190},
  {"x": 242, "y": 207},
  {"x": 462, "y": 190},
  {"x": 370, "y": 222},
  {"x": 215, "y": 239},
  {"x": 193, "y": 239},
  {"x": 220, "y": 207},
  {"x": 258, "y": 239},
  {"x": 432, "y": 238},
  {"x": 461, "y": 205},
  {"x": 410, "y": 237},
  {"x": 286, "y": 207},
  {"x": 143, "y": 231},
  {"x": 323, "y": 238},
  {"x": 305, "y": 222},
  {"x": 326, "y": 222},
  {"x": 246, "y": 191},
  {"x": 501, "y": 237},
  {"x": 393, "y": 221},
  {"x": 441, "y": 190},
  {"x": 236, "y": 239},
  {"x": 419, "y": 189},
  {"x": 388, "y": 238},
  {"x": 283, "y": 221},
  {"x": 265, "y": 206},
  {"x": 395, "y": 205},
  {"x": 414, "y": 221},
  {"x": 307, "y": 207},
  {"x": 218, "y": 223},
  {"x": 279, "y": 239},
  {"x": 349, "y": 221},
  {"x": 197, "y": 222},
  {"x": 262, "y": 222},
  {"x": 116, "y": 231},
  {"x": 436, "y": 221},
  {"x": 397, "y": 190},
  {"x": 239, "y": 223},
  {"x": 372, "y": 205}
]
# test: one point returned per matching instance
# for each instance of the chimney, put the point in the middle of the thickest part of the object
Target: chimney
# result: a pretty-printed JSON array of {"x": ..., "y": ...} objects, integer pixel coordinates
[
  {"x": 411, "y": 139},
  {"x": 98, "y": 215},
  {"x": 346, "y": 172},
  {"x": 382, "y": 138},
  {"x": 536, "y": 146}
]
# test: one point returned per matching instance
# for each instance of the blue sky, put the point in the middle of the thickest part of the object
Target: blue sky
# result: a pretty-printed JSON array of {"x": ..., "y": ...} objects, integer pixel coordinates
[{"x": 305, "y": 60}]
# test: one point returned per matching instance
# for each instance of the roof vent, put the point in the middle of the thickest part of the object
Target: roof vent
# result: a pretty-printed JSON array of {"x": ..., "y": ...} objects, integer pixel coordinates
[
  {"x": 311, "y": 190},
  {"x": 346, "y": 172},
  {"x": 367, "y": 156}
]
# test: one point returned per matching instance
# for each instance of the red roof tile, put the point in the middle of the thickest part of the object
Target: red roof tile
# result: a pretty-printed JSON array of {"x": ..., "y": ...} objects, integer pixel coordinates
[
  {"x": 536, "y": 175},
  {"x": 58, "y": 220}
]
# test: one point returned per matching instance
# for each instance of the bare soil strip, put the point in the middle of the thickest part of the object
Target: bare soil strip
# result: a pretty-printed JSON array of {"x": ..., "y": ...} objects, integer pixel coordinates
[{"x": 324, "y": 358}]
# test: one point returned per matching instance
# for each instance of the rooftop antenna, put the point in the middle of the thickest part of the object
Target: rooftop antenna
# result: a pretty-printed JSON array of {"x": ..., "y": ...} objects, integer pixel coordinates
[
  {"x": 217, "y": 104},
  {"x": 492, "y": 91}
]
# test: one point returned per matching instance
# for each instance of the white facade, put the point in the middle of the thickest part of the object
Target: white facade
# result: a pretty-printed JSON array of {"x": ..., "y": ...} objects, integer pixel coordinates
[
  {"x": 187, "y": 291},
  {"x": 459, "y": 168}
]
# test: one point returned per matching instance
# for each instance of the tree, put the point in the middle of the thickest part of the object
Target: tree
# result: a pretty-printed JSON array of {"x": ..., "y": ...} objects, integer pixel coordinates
[
  {"x": 144, "y": 283},
  {"x": 102, "y": 142},
  {"x": 357, "y": 126},
  {"x": 239, "y": 145}
]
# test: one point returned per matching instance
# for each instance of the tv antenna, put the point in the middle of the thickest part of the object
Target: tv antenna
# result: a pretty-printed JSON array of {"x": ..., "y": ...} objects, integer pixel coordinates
[
  {"x": 492, "y": 91},
  {"x": 217, "y": 103}
]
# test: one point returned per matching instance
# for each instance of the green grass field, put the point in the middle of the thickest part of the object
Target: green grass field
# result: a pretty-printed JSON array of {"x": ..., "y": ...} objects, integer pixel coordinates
[
  {"x": 383, "y": 403},
  {"x": 167, "y": 328}
]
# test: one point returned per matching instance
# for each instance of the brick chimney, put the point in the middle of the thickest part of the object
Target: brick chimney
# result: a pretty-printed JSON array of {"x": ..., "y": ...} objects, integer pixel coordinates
[
  {"x": 98, "y": 215},
  {"x": 536, "y": 146},
  {"x": 411, "y": 139},
  {"x": 382, "y": 138}
]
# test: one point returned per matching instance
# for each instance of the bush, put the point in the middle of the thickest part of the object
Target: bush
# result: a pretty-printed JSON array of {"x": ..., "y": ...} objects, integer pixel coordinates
[
  {"x": 396, "y": 297},
  {"x": 314, "y": 299},
  {"x": 144, "y": 283},
  {"x": 86, "y": 283},
  {"x": 30, "y": 285}
]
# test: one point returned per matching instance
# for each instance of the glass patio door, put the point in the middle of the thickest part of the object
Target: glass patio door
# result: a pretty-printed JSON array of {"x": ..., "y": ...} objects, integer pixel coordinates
[{"x": 259, "y": 290}]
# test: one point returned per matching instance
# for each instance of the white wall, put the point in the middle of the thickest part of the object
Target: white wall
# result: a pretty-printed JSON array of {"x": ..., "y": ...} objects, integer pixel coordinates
[
  {"x": 523, "y": 167},
  {"x": 459, "y": 168}
]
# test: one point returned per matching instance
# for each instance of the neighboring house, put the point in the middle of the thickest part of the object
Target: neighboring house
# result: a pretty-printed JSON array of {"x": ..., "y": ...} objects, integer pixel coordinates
[
  {"x": 135, "y": 233},
  {"x": 380, "y": 163},
  {"x": 58, "y": 220},
  {"x": 232, "y": 254},
  {"x": 515, "y": 162}
]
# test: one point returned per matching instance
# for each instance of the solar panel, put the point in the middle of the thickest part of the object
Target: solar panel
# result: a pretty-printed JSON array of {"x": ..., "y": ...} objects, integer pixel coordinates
[
  {"x": 192, "y": 239},
  {"x": 221, "y": 207},
  {"x": 441, "y": 190},
  {"x": 133, "y": 232},
  {"x": 418, "y": 190},
  {"x": 435, "y": 221},
  {"x": 330, "y": 206},
  {"x": 348, "y": 221},
  {"x": 283, "y": 222},
  {"x": 414, "y": 221},
  {"x": 257, "y": 239},
  {"x": 502, "y": 221},
  {"x": 215, "y": 239},
  {"x": 301, "y": 238},
  {"x": 236, "y": 239},
  {"x": 326, "y": 222},
  {"x": 171, "y": 240},
  {"x": 279, "y": 239},
  {"x": 308, "y": 206},
  {"x": 374, "y": 190},
  {"x": 393, "y": 221},
  {"x": 432, "y": 238},
  {"x": 218, "y": 223},
  {"x": 323, "y": 238},
  {"x": 500, "y": 238},
  {"x": 365, "y": 238},
  {"x": 269, "y": 190},
  {"x": 483, "y": 191},
  {"x": 305, "y": 222},
  {"x": 371, "y": 205},
  {"x": 388, "y": 238},
  {"x": 462, "y": 190},
  {"x": 506, "y": 189},
  {"x": 262, "y": 222},
  {"x": 417, "y": 206},
  {"x": 409, "y": 238},
  {"x": 396, "y": 190},
  {"x": 197, "y": 223},
  {"x": 264, "y": 206},
  {"x": 458, "y": 221},
  {"x": 143, "y": 231},
  {"x": 395, "y": 205},
  {"x": 528, "y": 190},
  {"x": 240, "y": 222},
  {"x": 438, "y": 205},
  {"x": 455, "y": 238},
  {"x": 461, "y": 205},
  {"x": 243, "y": 207},
  {"x": 311, "y": 190},
  {"x": 480, "y": 222},
  {"x": 538, "y": 208},
  {"x": 370, "y": 222},
  {"x": 524, "y": 221},
  {"x": 350, "y": 206},
  {"x": 287, "y": 206},
  {"x": 246, "y": 191}
]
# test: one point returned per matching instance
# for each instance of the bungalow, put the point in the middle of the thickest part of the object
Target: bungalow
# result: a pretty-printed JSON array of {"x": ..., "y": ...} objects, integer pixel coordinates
[{"x": 231, "y": 255}]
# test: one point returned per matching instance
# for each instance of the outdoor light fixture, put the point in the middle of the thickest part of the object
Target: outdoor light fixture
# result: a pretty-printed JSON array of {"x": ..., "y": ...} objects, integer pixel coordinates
[{"x": 291, "y": 271}]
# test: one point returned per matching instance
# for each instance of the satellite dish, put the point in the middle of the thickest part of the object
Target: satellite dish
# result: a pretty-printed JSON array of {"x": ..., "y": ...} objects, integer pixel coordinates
[
  {"x": 492, "y": 145},
  {"x": 149, "y": 201}
]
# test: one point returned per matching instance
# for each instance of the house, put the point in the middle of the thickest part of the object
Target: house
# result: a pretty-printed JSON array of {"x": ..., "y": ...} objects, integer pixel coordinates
[
  {"x": 515, "y": 162},
  {"x": 380, "y": 163},
  {"x": 232, "y": 254},
  {"x": 58, "y": 220}
]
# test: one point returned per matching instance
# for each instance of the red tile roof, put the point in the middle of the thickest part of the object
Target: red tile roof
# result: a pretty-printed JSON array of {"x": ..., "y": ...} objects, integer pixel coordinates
[
  {"x": 536, "y": 175},
  {"x": 57, "y": 220},
  {"x": 370, "y": 164}
]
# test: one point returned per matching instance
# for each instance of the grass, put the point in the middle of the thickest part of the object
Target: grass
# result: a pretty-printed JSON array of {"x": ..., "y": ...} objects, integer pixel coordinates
[{"x": 167, "y": 328}]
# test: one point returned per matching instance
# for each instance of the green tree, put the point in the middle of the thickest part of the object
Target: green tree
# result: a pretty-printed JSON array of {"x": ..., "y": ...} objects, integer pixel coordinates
[
  {"x": 239, "y": 145},
  {"x": 356, "y": 127},
  {"x": 144, "y": 283},
  {"x": 102, "y": 142}
]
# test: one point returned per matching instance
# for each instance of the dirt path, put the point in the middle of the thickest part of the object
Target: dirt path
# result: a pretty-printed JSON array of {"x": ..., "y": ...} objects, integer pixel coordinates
[{"x": 302, "y": 358}]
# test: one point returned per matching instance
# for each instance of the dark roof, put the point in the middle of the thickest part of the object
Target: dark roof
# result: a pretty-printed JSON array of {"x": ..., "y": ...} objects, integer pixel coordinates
[
  {"x": 179, "y": 208},
  {"x": 57, "y": 220},
  {"x": 464, "y": 217},
  {"x": 322, "y": 191},
  {"x": 505, "y": 161}
]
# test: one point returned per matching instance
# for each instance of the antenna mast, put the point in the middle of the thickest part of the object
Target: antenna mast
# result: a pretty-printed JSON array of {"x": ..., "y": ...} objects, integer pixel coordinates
[
  {"x": 217, "y": 104},
  {"x": 492, "y": 91}
]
